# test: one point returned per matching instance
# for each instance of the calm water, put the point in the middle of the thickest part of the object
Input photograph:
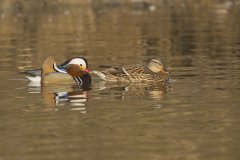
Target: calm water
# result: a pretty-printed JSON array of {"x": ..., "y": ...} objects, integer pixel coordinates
[{"x": 195, "y": 116}]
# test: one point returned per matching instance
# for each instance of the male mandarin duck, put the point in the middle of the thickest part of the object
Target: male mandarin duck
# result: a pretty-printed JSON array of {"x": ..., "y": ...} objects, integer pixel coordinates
[
  {"x": 153, "y": 72},
  {"x": 72, "y": 70}
]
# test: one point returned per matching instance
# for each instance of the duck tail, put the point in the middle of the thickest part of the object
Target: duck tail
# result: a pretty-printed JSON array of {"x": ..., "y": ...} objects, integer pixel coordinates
[{"x": 34, "y": 79}]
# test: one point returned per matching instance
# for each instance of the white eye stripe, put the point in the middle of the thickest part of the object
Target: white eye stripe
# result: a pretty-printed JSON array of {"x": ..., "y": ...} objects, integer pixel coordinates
[{"x": 78, "y": 61}]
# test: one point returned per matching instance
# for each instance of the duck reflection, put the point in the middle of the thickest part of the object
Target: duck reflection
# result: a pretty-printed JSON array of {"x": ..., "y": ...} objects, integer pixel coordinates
[
  {"x": 73, "y": 96},
  {"x": 77, "y": 100},
  {"x": 132, "y": 90},
  {"x": 68, "y": 97},
  {"x": 62, "y": 96}
]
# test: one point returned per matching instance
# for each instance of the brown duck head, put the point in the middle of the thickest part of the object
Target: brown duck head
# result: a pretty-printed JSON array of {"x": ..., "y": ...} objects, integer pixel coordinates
[{"x": 156, "y": 66}]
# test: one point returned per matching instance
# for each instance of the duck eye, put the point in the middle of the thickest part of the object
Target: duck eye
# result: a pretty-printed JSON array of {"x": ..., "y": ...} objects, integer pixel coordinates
[{"x": 80, "y": 64}]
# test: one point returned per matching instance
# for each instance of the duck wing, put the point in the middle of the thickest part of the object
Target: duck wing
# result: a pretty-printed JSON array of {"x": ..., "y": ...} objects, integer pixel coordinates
[
  {"x": 135, "y": 70},
  {"x": 140, "y": 72},
  {"x": 118, "y": 73},
  {"x": 111, "y": 72}
]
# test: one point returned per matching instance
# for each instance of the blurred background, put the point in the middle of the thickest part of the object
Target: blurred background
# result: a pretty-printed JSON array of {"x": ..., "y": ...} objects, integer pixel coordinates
[
  {"x": 195, "y": 116},
  {"x": 105, "y": 30}
]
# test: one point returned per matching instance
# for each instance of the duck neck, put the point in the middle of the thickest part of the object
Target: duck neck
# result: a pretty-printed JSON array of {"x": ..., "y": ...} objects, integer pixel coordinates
[{"x": 84, "y": 80}]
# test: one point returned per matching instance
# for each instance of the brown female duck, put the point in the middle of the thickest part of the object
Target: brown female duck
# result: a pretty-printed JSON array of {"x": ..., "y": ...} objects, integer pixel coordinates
[{"x": 153, "y": 72}]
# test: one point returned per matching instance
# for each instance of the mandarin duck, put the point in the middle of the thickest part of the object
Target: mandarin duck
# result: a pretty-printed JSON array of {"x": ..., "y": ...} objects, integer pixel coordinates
[{"x": 72, "y": 70}]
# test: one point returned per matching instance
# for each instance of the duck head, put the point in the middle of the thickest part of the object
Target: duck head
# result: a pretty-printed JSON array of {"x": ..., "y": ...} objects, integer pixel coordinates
[
  {"x": 156, "y": 66},
  {"x": 77, "y": 67}
]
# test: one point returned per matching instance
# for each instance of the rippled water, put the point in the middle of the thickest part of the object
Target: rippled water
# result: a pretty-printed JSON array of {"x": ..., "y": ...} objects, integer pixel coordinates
[{"x": 195, "y": 116}]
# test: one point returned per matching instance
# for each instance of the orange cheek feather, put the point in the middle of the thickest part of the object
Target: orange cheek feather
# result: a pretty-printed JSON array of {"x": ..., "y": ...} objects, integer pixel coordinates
[{"x": 76, "y": 71}]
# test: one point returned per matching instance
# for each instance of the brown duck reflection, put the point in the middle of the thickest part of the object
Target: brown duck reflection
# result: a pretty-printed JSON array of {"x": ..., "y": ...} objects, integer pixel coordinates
[{"x": 133, "y": 90}]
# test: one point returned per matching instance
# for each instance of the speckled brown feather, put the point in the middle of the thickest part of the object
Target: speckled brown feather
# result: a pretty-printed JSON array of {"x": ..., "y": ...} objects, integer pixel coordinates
[
  {"x": 132, "y": 73},
  {"x": 135, "y": 73}
]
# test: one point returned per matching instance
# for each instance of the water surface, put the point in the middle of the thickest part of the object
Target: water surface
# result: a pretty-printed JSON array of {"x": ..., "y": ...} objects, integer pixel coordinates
[{"x": 195, "y": 116}]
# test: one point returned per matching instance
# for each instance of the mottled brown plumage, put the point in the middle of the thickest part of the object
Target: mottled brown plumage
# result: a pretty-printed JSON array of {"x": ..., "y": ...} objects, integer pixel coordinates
[{"x": 154, "y": 72}]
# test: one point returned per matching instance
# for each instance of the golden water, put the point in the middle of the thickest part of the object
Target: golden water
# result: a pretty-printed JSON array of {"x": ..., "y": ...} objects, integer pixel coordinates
[{"x": 196, "y": 116}]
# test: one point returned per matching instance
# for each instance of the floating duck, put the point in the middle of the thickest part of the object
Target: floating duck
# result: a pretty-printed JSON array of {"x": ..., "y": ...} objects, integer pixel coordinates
[
  {"x": 153, "y": 72},
  {"x": 72, "y": 70}
]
